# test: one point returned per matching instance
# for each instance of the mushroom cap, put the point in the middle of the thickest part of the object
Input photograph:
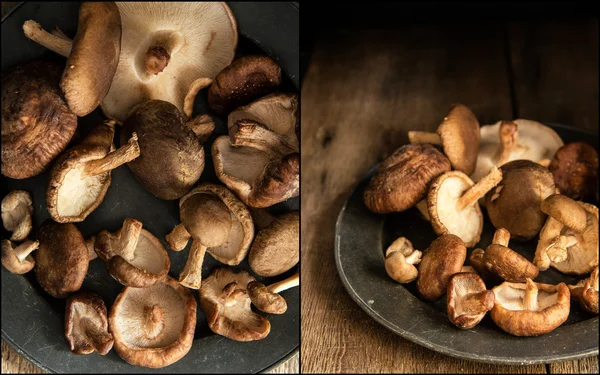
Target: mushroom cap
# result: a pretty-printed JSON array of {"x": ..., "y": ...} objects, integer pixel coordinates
[
  {"x": 94, "y": 56},
  {"x": 443, "y": 258},
  {"x": 276, "y": 248},
  {"x": 586, "y": 292},
  {"x": 260, "y": 159},
  {"x": 508, "y": 264},
  {"x": 246, "y": 79},
  {"x": 575, "y": 170},
  {"x": 206, "y": 218},
  {"x": 159, "y": 342},
  {"x": 86, "y": 324},
  {"x": 10, "y": 258},
  {"x": 400, "y": 260},
  {"x": 17, "y": 209},
  {"x": 61, "y": 262},
  {"x": 535, "y": 142},
  {"x": 460, "y": 138},
  {"x": 403, "y": 179},
  {"x": 515, "y": 202},
  {"x": 37, "y": 124},
  {"x": 509, "y": 314},
  {"x": 200, "y": 38},
  {"x": 226, "y": 303},
  {"x": 565, "y": 210},
  {"x": 461, "y": 314},
  {"x": 264, "y": 300},
  {"x": 236, "y": 246},
  {"x": 442, "y": 199},
  {"x": 171, "y": 156}
]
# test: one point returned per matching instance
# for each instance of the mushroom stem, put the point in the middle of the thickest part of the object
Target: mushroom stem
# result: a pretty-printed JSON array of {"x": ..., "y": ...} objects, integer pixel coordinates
[
  {"x": 153, "y": 321},
  {"x": 54, "y": 43},
  {"x": 557, "y": 251},
  {"x": 90, "y": 242},
  {"x": 191, "y": 276},
  {"x": 156, "y": 60},
  {"x": 122, "y": 155},
  {"x": 253, "y": 134},
  {"x": 101, "y": 340},
  {"x": 472, "y": 195},
  {"x": 468, "y": 269},
  {"x": 501, "y": 237},
  {"x": 415, "y": 137},
  {"x": 475, "y": 303},
  {"x": 26, "y": 248},
  {"x": 190, "y": 97},
  {"x": 288, "y": 283},
  {"x": 129, "y": 236},
  {"x": 178, "y": 238},
  {"x": 530, "y": 300},
  {"x": 414, "y": 257},
  {"x": 230, "y": 294},
  {"x": 594, "y": 279},
  {"x": 509, "y": 141},
  {"x": 545, "y": 163},
  {"x": 59, "y": 33},
  {"x": 203, "y": 126}
]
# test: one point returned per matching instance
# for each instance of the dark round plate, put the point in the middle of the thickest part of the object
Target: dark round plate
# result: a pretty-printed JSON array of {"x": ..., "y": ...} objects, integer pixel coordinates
[
  {"x": 360, "y": 243},
  {"x": 32, "y": 321}
]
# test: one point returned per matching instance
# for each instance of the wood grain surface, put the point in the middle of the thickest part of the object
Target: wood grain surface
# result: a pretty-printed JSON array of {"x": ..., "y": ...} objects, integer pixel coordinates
[{"x": 362, "y": 92}]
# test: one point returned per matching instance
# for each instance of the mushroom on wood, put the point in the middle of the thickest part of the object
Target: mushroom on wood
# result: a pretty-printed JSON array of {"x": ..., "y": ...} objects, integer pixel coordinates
[
  {"x": 86, "y": 324},
  {"x": 17, "y": 209},
  {"x": 267, "y": 298}
]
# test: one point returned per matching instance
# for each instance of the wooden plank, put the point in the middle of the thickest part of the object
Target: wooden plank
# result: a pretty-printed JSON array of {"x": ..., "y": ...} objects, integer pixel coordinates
[
  {"x": 14, "y": 363},
  {"x": 582, "y": 366}
]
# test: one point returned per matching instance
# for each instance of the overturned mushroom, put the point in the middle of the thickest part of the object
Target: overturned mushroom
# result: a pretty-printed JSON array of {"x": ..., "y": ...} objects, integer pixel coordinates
[
  {"x": 18, "y": 259},
  {"x": 586, "y": 292},
  {"x": 468, "y": 300},
  {"x": 81, "y": 176},
  {"x": 133, "y": 256},
  {"x": 226, "y": 303},
  {"x": 400, "y": 260},
  {"x": 154, "y": 326},
  {"x": 530, "y": 308},
  {"x": 506, "y": 263},
  {"x": 267, "y": 298},
  {"x": 86, "y": 324},
  {"x": 575, "y": 170},
  {"x": 17, "y": 209}
]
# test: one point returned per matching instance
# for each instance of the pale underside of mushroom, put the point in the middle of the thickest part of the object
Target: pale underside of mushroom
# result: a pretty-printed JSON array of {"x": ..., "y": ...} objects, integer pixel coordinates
[
  {"x": 17, "y": 209},
  {"x": 466, "y": 287},
  {"x": 146, "y": 256},
  {"x": 88, "y": 330},
  {"x": 512, "y": 298},
  {"x": 79, "y": 192}
]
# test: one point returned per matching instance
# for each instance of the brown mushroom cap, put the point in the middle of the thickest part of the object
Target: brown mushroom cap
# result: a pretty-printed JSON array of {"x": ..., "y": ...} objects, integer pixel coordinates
[
  {"x": 154, "y": 326},
  {"x": 246, "y": 79},
  {"x": 443, "y": 258},
  {"x": 460, "y": 138},
  {"x": 86, "y": 324},
  {"x": 586, "y": 292},
  {"x": 467, "y": 300},
  {"x": 400, "y": 260},
  {"x": 267, "y": 298},
  {"x": 515, "y": 202},
  {"x": 17, "y": 210},
  {"x": 61, "y": 261},
  {"x": 508, "y": 264},
  {"x": 37, "y": 124},
  {"x": 404, "y": 178},
  {"x": 206, "y": 218},
  {"x": 530, "y": 309},
  {"x": 575, "y": 170},
  {"x": 276, "y": 248},
  {"x": 18, "y": 259},
  {"x": 226, "y": 303}
]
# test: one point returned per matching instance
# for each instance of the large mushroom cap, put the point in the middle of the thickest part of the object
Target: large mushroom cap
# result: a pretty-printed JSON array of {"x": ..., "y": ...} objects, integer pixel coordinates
[
  {"x": 468, "y": 300},
  {"x": 17, "y": 209},
  {"x": 86, "y": 324},
  {"x": 154, "y": 326},
  {"x": 575, "y": 170},
  {"x": 404, "y": 178},
  {"x": 226, "y": 303},
  {"x": 460, "y": 138},
  {"x": 37, "y": 124},
  {"x": 260, "y": 160}
]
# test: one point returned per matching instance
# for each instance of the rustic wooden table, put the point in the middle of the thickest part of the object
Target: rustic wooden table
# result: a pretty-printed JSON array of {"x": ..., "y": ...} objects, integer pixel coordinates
[{"x": 362, "y": 92}]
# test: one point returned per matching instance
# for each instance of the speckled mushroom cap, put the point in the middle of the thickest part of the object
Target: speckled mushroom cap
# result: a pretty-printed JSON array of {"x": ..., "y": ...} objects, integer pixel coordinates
[
  {"x": 37, "y": 124},
  {"x": 460, "y": 138},
  {"x": 154, "y": 326},
  {"x": 86, "y": 324},
  {"x": 404, "y": 178},
  {"x": 575, "y": 170}
]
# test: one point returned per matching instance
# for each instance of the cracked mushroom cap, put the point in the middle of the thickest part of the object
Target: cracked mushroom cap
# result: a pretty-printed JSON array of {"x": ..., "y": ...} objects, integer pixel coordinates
[
  {"x": 133, "y": 256},
  {"x": 81, "y": 176},
  {"x": 276, "y": 248},
  {"x": 154, "y": 326},
  {"x": 17, "y": 209},
  {"x": 443, "y": 258},
  {"x": 468, "y": 300},
  {"x": 460, "y": 138},
  {"x": 18, "y": 259},
  {"x": 403, "y": 179},
  {"x": 37, "y": 124},
  {"x": 530, "y": 308},
  {"x": 260, "y": 159},
  {"x": 226, "y": 303},
  {"x": 61, "y": 262},
  {"x": 246, "y": 79},
  {"x": 86, "y": 324},
  {"x": 586, "y": 292},
  {"x": 575, "y": 170}
]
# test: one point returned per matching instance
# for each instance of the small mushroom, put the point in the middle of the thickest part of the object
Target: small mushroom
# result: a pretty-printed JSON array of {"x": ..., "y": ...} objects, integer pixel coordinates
[
  {"x": 569, "y": 239},
  {"x": 443, "y": 258},
  {"x": 575, "y": 170},
  {"x": 453, "y": 204},
  {"x": 226, "y": 303},
  {"x": 506, "y": 263},
  {"x": 403, "y": 179},
  {"x": 511, "y": 140},
  {"x": 61, "y": 261},
  {"x": 86, "y": 324},
  {"x": 400, "y": 260},
  {"x": 459, "y": 136},
  {"x": 133, "y": 256},
  {"x": 37, "y": 124},
  {"x": 586, "y": 292},
  {"x": 81, "y": 176},
  {"x": 468, "y": 300},
  {"x": 245, "y": 80},
  {"x": 18, "y": 259},
  {"x": 276, "y": 248},
  {"x": 515, "y": 203},
  {"x": 17, "y": 210},
  {"x": 154, "y": 326},
  {"x": 530, "y": 308},
  {"x": 267, "y": 298}
]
